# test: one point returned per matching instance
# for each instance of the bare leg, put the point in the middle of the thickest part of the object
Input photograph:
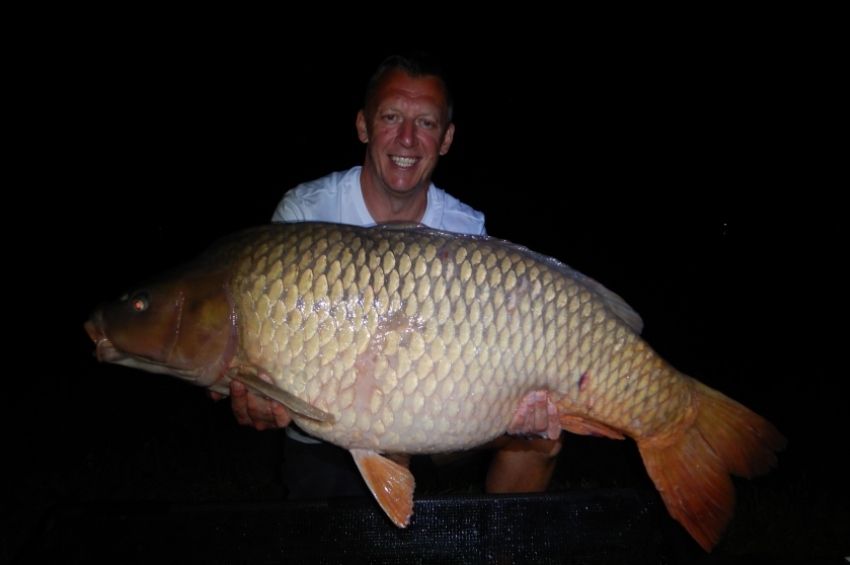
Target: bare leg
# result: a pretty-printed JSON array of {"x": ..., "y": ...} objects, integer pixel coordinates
[
  {"x": 525, "y": 464},
  {"x": 522, "y": 465}
]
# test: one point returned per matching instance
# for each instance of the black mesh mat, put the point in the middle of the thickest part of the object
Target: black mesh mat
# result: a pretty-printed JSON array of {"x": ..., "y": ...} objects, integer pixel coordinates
[{"x": 605, "y": 526}]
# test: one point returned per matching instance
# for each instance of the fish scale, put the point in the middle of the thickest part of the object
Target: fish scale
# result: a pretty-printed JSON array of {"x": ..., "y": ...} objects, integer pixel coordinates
[
  {"x": 359, "y": 332},
  {"x": 401, "y": 340}
]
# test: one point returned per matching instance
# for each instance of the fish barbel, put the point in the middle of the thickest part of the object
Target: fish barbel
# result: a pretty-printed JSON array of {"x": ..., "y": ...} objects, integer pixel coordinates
[{"x": 404, "y": 340}]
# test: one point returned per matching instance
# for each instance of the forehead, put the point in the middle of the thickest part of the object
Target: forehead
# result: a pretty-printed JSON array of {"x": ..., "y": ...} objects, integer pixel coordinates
[{"x": 399, "y": 87}]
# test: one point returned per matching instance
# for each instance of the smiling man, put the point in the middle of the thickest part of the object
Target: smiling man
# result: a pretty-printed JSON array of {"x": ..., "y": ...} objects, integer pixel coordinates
[{"x": 406, "y": 126}]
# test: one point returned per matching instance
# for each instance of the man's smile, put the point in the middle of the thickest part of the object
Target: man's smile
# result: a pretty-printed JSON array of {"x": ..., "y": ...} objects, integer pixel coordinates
[{"x": 404, "y": 162}]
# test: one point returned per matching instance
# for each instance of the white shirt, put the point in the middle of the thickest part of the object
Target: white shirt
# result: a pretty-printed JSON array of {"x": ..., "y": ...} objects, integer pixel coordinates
[{"x": 338, "y": 198}]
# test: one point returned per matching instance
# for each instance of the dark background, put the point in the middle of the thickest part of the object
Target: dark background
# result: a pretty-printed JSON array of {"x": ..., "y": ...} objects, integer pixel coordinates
[{"x": 690, "y": 171}]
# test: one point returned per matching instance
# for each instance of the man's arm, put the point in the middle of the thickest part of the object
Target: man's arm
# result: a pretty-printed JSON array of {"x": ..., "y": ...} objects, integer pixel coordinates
[{"x": 288, "y": 210}]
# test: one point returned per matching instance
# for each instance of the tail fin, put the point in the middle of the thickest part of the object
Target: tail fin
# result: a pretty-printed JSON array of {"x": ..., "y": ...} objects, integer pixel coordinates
[{"x": 691, "y": 468}]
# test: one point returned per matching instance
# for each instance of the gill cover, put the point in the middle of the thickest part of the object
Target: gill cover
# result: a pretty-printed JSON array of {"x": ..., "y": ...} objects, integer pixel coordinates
[{"x": 182, "y": 324}]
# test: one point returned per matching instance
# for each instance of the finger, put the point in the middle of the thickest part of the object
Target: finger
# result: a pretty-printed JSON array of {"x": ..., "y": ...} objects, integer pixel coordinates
[
  {"x": 239, "y": 406},
  {"x": 239, "y": 403},
  {"x": 260, "y": 412},
  {"x": 280, "y": 415},
  {"x": 237, "y": 389},
  {"x": 541, "y": 417}
]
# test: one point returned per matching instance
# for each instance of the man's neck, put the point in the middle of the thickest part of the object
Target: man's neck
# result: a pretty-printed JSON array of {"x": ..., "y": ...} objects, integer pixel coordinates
[{"x": 386, "y": 206}]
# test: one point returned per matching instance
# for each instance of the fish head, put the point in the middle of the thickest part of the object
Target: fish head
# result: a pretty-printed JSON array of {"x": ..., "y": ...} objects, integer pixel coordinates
[{"x": 182, "y": 325}]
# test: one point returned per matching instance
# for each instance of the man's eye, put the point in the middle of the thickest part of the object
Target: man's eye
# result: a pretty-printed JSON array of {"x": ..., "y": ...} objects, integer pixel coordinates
[
  {"x": 426, "y": 123},
  {"x": 390, "y": 118}
]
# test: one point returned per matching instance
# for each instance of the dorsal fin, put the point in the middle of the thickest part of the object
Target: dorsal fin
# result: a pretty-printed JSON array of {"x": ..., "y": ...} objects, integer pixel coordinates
[{"x": 612, "y": 300}]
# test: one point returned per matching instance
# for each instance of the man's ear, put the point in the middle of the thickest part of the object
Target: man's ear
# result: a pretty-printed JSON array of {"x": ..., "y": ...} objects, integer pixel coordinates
[
  {"x": 362, "y": 130},
  {"x": 447, "y": 139}
]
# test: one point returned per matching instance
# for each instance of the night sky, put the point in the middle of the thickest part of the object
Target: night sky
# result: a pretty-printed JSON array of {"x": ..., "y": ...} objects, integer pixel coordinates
[{"x": 690, "y": 175}]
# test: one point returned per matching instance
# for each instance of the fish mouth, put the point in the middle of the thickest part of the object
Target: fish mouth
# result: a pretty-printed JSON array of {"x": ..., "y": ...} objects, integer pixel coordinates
[{"x": 106, "y": 352}]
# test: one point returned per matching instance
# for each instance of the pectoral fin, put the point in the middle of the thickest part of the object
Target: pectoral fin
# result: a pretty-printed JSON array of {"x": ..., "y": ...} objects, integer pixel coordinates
[
  {"x": 291, "y": 401},
  {"x": 391, "y": 484}
]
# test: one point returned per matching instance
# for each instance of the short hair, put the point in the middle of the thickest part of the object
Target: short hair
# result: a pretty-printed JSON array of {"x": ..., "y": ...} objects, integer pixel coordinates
[{"x": 417, "y": 64}]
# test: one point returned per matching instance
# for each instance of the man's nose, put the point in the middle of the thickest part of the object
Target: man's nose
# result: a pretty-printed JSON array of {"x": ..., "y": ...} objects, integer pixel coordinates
[{"x": 407, "y": 133}]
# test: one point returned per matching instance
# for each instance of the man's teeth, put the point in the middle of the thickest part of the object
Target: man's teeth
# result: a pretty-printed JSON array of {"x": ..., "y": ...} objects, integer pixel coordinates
[{"x": 404, "y": 161}]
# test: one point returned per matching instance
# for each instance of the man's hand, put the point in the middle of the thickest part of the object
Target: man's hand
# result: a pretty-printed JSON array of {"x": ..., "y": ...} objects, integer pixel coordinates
[
  {"x": 536, "y": 415},
  {"x": 253, "y": 410}
]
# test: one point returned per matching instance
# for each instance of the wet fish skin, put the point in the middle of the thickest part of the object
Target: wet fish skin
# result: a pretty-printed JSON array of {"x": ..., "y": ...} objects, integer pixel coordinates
[
  {"x": 410, "y": 340},
  {"x": 395, "y": 330}
]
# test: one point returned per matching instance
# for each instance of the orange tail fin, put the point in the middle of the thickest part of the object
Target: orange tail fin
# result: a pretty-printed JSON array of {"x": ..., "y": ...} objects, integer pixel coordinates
[{"x": 691, "y": 467}]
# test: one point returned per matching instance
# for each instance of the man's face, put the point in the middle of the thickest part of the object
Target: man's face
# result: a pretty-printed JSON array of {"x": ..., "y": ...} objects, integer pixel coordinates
[{"x": 407, "y": 129}]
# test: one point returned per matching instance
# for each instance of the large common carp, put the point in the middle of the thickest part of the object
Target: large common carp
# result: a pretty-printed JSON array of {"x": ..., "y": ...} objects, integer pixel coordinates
[{"x": 403, "y": 339}]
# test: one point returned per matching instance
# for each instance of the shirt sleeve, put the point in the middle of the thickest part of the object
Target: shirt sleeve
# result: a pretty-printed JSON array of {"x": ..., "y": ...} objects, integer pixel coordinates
[{"x": 288, "y": 210}]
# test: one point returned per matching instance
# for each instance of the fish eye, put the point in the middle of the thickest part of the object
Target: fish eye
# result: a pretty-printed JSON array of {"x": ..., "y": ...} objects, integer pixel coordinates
[{"x": 140, "y": 302}]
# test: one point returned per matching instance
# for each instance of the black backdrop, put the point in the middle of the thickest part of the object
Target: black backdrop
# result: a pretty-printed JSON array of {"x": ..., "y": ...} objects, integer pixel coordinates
[{"x": 692, "y": 174}]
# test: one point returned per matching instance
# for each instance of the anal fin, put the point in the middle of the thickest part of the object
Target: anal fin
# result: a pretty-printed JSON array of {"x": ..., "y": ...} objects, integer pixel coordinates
[
  {"x": 391, "y": 484},
  {"x": 588, "y": 427}
]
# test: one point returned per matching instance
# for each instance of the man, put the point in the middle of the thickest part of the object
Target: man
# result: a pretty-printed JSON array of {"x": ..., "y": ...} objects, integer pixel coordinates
[{"x": 406, "y": 124}]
